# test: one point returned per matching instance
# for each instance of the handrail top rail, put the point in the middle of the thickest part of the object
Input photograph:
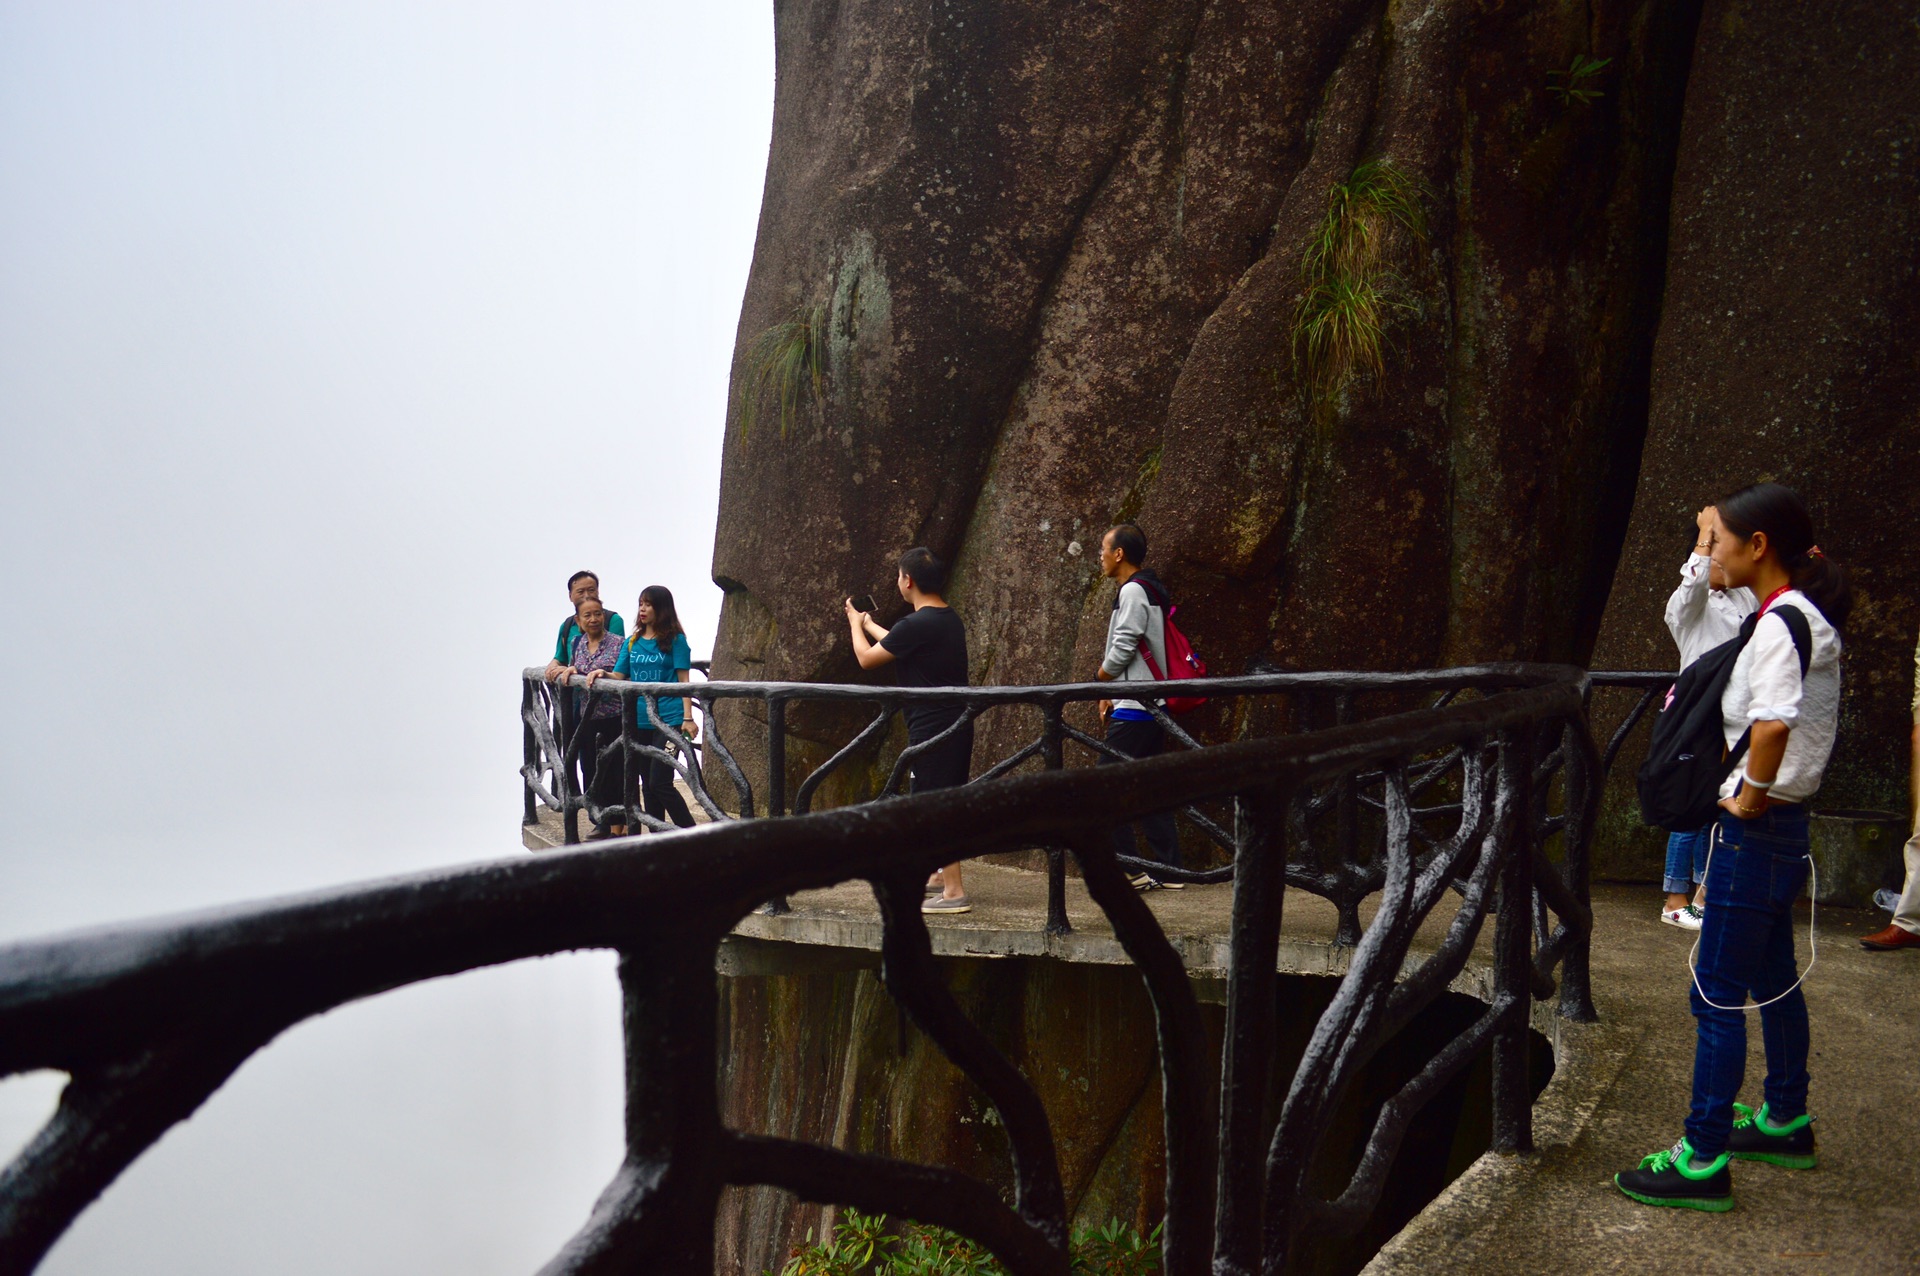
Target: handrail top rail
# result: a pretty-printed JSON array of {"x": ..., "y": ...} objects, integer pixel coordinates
[
  {"x": 106, "y": 990},
  {"x": 1505, "y": 675}
]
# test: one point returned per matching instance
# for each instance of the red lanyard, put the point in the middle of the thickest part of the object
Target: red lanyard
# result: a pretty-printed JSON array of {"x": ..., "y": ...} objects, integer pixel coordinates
[{"x": 1770, "y": 597}]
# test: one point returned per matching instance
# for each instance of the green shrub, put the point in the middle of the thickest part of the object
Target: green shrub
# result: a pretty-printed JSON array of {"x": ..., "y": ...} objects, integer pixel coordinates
[{"x": 861, "y": 1245}]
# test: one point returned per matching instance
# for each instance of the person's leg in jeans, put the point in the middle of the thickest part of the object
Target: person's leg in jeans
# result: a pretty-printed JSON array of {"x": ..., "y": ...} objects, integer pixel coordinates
[
  {"x": 1138, "y": 739},
  {"x": 1685, "y": 854},
  {"x": 1751, "y": 884},
  {"x": 1784, "y": 1030},
  {"x": 663, "y": 801}
]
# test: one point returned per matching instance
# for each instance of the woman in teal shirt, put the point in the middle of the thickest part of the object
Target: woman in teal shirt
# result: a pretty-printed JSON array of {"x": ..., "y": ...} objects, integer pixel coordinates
[{"x": 658, "y": 652}]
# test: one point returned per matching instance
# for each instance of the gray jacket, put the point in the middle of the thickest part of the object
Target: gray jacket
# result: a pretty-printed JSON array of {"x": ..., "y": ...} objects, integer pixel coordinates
[{"x": 1134, "y": 619}]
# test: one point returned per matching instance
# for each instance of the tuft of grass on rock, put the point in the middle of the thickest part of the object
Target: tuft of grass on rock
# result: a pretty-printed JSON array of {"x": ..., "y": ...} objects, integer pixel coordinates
[
  {"x": 1579, "y": 82},
  {"x": 1349, "y": 294},
  {"x": 785, "y": 364}
]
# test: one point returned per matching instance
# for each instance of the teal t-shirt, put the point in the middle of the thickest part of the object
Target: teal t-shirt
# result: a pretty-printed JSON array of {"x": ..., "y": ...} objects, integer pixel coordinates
[{"x": 641, "y": 660}]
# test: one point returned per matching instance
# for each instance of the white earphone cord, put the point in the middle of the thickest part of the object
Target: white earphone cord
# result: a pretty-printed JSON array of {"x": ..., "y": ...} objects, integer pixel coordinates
[{"x": 1813, "y": 945}]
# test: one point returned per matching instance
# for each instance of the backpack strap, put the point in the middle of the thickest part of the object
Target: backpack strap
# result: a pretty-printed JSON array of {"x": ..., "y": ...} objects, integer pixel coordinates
[
  {"x": 1155, "y": 591},
  {"x": 1802, "y": 634},
  {"x": 1796, "y": 622},
  {"x": 1156, "y": 596}
]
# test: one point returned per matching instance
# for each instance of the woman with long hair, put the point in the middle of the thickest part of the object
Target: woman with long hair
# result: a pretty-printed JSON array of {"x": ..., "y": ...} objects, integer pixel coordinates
[
  {"x": 658, "y": 652},
  {"x": 1787, "y": 705}
]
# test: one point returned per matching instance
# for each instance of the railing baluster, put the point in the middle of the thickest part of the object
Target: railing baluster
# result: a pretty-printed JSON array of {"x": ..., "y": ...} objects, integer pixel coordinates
[
  {"x": 1052, "y": 747},
  {"x": 1512, "y": 954},
  {"x": 777, "y": 779},
  {"x": 529, "y": 754},
  {"x": 1246, "y": 1065}
]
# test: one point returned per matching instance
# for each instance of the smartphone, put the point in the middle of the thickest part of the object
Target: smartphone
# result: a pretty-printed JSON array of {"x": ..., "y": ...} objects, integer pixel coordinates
[{"x": 865, "y": 603}]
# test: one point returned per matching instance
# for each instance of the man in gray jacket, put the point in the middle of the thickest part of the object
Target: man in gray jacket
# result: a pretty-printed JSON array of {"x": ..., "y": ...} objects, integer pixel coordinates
[{"x": 1138, "y": 625}]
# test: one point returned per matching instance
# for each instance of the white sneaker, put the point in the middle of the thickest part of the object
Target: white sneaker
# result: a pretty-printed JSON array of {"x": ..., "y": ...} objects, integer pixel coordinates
[{"x": 1687, "y": 918}]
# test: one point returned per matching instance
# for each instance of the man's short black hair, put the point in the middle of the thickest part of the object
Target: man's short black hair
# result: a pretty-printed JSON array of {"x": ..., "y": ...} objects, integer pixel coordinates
[
  {"x": 924, "y": 568},
  {"x": 576, "y": 578},
  {"x": 1130, "y": 541}
]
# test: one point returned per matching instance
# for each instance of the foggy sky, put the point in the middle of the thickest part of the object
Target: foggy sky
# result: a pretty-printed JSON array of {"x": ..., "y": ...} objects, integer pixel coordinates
[{"x": 333, "y": 338}]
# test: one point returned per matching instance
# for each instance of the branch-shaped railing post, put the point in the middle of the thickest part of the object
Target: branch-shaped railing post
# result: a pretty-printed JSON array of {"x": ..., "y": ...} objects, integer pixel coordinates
[
  {"x": 914, "y": 981},
  {"x": 1246, "y": 1065},
  {"x": 1052, "y": 741},
  {"x": 657, "y": 1216},
  {"x": 1583, "y": 776},
  {"x": 1346, "y": 834},
  {"x": 529, "y": 752},
  {"x": 108, "y": 1115},
  {"x": 1187, "y": 1094},
  {"x": 1512, "y": 946},
  {"x": 777, "y": 777},
  {"x": 569, "y": 738}
]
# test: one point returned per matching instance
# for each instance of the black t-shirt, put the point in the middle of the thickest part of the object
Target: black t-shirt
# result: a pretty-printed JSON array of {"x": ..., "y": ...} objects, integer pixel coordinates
[{"x": 930, "y": 650}]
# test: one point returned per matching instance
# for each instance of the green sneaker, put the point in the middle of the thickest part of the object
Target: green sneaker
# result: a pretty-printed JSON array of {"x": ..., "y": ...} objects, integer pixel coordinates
[
  {"x": 1756, "y": 1138},
  {"x": 1670, "y": 1177}
]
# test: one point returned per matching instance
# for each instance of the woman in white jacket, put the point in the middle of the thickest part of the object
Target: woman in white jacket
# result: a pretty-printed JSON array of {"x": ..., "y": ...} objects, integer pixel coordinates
[{"x": 1702, "y": 613}]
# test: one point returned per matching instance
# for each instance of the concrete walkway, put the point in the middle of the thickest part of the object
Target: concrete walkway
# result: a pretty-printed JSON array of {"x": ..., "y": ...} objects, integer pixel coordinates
[{"x": 1619, "y": 1091}]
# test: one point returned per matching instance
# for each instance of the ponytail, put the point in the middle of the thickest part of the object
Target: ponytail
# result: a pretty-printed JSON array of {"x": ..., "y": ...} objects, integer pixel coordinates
[
  {"x": 1779, "y": 512},
  {"x": 1823, "y": 580}
]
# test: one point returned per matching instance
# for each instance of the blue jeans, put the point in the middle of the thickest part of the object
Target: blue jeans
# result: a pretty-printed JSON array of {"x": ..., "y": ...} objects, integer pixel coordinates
[
  {"x": 1746, "y": 946},
  {"x": 1686, "y": 859}
]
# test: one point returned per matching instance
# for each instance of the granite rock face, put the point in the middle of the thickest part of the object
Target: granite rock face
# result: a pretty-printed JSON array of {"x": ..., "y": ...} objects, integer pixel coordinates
[
  {"x": 1049, "y": 258},
  {"x": 1788, "y": 350},
  {"x": 1046, "y": 264}
]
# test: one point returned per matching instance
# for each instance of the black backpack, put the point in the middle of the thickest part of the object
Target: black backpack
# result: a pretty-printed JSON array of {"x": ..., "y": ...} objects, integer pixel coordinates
[{"x": 1688, "y": 759}]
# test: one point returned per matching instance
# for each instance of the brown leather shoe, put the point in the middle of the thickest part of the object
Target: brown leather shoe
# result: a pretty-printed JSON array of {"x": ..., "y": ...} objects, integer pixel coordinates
[{"x": 1885, "y": 941}]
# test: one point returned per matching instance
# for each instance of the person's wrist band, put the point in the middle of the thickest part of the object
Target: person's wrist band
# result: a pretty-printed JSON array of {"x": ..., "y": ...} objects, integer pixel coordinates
[{"x": 1752, "y": 783}]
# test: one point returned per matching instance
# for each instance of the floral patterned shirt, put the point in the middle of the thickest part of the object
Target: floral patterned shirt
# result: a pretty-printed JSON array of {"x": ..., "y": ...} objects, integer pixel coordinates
[{"x": 586, "y": 660}]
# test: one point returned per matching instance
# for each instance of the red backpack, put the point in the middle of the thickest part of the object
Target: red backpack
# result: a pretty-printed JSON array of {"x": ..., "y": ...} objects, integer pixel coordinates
[{"x": 1182, "y": 660}]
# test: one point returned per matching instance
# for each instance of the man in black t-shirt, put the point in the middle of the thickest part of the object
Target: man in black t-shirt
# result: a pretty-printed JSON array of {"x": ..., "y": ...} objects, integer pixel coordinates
[{"x": 929, "y": 649}]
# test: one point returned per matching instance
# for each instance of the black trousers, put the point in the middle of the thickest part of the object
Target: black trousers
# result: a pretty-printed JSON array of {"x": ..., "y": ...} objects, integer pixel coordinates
[
  {"x": 661, "y": 800},
  {"x": 600, "y": 779},
  {"x": 1142, "y": 740}
]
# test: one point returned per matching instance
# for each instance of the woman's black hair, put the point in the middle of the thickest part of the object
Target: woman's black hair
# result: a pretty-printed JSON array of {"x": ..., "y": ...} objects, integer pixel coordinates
[
  {"x": 924, "y": 568},
  {"x": 666, "y": 620},
  {"x": 1782, "y": 515}
]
